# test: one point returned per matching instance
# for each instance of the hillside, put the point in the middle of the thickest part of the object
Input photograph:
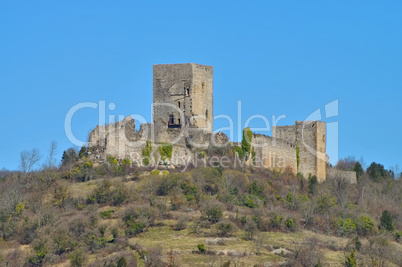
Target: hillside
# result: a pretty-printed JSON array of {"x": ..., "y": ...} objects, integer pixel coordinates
[{"x": 115, "y": 214}]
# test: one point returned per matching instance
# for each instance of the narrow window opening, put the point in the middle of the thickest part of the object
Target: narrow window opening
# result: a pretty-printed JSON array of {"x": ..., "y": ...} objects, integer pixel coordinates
[
  {"x": 178, "y": 104},
  {"x": 171, "y": 119},
  {"x": 188, "y": 92},
  {"x": 179, "y": 121}
]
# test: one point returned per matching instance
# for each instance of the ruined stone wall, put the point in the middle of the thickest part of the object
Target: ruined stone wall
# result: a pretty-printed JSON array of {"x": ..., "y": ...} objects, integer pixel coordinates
[
  {"x": 116, "y": 138},
  {"x": 274, "y": 154},
  {"x": 349, "y": 176}
]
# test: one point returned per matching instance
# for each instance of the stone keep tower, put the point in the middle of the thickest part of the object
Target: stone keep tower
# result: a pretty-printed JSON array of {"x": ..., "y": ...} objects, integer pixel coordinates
[
  {"x": 310, "y": 137},
  {"x": 183, "y": 96}
]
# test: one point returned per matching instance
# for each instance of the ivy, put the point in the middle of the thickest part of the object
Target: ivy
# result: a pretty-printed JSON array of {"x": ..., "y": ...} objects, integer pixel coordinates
[{"x": 166, "y": 150}]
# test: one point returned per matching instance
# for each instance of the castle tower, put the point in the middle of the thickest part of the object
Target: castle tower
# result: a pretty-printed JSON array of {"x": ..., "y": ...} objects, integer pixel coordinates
[
  {"x": 309, "y": 136},
  {"x": 183, "y": 96}
]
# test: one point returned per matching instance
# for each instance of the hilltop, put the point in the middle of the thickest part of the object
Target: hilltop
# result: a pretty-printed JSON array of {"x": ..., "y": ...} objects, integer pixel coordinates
[{"x": 116, "y": 214}]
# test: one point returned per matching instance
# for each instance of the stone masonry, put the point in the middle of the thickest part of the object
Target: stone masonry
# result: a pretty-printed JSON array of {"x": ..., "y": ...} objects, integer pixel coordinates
[{"x": 183, "y": 117}]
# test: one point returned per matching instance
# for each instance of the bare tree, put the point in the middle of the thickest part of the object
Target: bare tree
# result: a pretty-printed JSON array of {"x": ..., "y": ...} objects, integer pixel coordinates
[
  {"x": 51, "y": 160},
  {"x": 28, "y": 159}
]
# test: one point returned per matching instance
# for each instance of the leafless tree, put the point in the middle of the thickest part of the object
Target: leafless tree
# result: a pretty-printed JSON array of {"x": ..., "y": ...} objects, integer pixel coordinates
[
  {"x": 51, "y": 160},
  {"x": 28, "y": 159}
]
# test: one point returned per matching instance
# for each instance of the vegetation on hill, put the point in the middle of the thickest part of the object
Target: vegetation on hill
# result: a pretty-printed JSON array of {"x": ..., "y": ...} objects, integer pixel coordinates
[{"x": 116, "y": 214}]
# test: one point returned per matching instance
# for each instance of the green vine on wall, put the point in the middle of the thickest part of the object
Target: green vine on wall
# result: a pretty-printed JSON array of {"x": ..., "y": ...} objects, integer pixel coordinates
[
  {"x": 146, "y": 153},
  {"x": 166, "y": 150},
  {"x": 297, "y": 155}
]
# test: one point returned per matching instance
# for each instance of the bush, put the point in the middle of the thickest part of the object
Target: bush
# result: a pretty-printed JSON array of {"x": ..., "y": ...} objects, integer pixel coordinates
[
  {"x": 386, "y": 221},
  {"x": 101, "y": 194},
  {"x": 77, "y": 258},
  {"x": 107, "y": 214},
  {"x": 276, "y": 221},
  {"x": 63, "y": 243},
  {"x": 350, "y": 259},
  {"x": 180, "y": 225},
  {"x": 155, "y": 172},
  {"x": 41, "y": 251},
  {"x": 312, "y": 184},
  {"x": 213, "y": 213},
  {"x": 201, "y": 248},
  {"x": 190, "y": 191},
  {"x": 346, "y": 227},
  {"x": 365, "y": 225},
  {"x": 165, "y": 151},
  {"x": 134, "y": 228},
  {"x": 290, "y": 224},
  {"x": 250, "y": 201},
  {"x": 224, "y": 229}
]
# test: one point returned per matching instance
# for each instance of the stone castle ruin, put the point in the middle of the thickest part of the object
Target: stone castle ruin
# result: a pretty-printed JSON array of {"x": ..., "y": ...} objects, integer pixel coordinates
[{"x": 183, "y": 122}]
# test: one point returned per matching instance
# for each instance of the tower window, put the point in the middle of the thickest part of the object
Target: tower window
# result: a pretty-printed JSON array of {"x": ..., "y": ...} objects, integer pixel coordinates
[
  {"x": 179, "y": 121},
  {"x": 206, "y": 114},
  {"x": 178, "y": 104},
  {"x": 188, "y": 92},
  {"x": 171, "y": 119}
]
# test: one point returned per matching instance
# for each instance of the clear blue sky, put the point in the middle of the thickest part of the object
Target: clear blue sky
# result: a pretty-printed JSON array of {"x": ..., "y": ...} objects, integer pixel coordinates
[{"x": 277, "y": 57}]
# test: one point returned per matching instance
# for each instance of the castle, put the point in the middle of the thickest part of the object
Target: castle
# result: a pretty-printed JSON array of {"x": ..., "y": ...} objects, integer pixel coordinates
[{"x": 183, "y": 119}]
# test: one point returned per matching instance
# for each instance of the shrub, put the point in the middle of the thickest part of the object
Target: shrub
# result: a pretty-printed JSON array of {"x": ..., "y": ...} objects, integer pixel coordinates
[
  {"x": 290, "y": 223},
  {"x": 350, "y": 259},
  {"x": 250, "y": 201},
  {"x": 107, "y": 214},
  {"x": 167, "y": 183},
  {"x": 101, "y": 194},
  {"x": 155, "y": 172},
  {"x": 41, "y": 251},
  {"x": 346, "y": 227},
  {"x": 312, "y": 184},
  {"x": 398, "y": 236},
  {"x": 63, "y": 243},
  {"x": 386, "y": 221},
  {"x": 190, "y": 191},
  {"x": 165, "y": 151},
  {"x": 201, "y": 248},
  {"x": 276, "y": 221},
  {"x": 134, "y": 228},
  {"x": 77, "y": 258},
  {"x": 213, "y": 213},
  {"x": 122, "y": 262},
  {"x": 224, "y": 229},
  {"x": 180, "y": 225},
  {"x": 365, "y": 225}
]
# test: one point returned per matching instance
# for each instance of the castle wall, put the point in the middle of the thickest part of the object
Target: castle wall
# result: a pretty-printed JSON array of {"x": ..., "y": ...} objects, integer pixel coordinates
[
  {"x": 274, "y": 154},
  {"x": 310, "y": 137},
  {"x": 287, "y": 133},
  {"x": 349, "y": 176}
]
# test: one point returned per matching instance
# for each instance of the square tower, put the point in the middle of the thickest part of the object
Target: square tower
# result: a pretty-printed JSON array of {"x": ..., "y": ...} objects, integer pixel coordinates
[
  {"x": 309, "y": 136},
  {"x": 183, "y": 96}
]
